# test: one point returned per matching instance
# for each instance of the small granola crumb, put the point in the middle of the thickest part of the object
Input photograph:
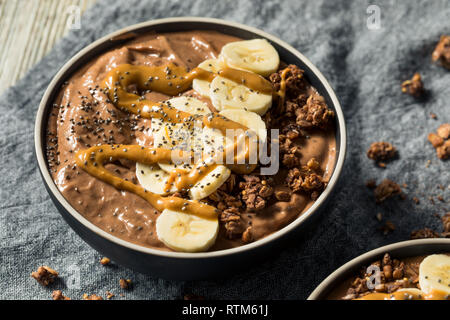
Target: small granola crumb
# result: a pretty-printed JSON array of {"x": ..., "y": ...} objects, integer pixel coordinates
[
  {"x": 91, "y": 297},
  {"x": 433, "y": 116},
  {"x": 125, "y": 283},
  {"x": 371, "y": 184},
  {"x": 381, "y": 151},
  {"x": 386, "y": 189},
  {"x": 441, "y": 53},
  {"x": 424, "y": 233},
  {"x": 57, "y": 295},
  {"x": 191, "y": 296},
  {"x": 109, "y": 295},
  {"x": 105, "y": 261},
  {"x": 416, "y": 200},
  {"x": 388, "y": 227},
  {"x": 414, "y": 86},
  {"x": 44, "y": 275}
]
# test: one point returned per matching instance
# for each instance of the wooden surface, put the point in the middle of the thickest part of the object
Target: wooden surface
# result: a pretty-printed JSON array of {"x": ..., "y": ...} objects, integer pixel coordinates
[{"x": 29, "y": 29}]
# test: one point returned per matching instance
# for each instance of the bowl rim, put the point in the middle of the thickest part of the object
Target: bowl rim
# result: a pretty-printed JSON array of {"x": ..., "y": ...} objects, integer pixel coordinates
[
  {"x": 372, "y": 254},
  {"x": 39, "y": 127}
]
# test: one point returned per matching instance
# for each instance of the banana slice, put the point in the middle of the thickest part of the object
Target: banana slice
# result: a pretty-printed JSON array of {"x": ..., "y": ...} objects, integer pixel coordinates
[
  {"x": 189, "y": 104},
  {"x": 256, "y": 55},
  {"x": 184, "y": 232},
  {"x": 209, "y": 183},
  {"x": 251, "y": 120},
  {"x": 227, "y": 94},
  {"x": 202, "y": 86},
  {"x": 434, "y": 274},
  {"x": 153, "y": 179}
]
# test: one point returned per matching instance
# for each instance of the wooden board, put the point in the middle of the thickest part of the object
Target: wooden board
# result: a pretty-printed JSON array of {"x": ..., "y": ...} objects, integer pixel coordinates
[{"x": 29, "y": 29}]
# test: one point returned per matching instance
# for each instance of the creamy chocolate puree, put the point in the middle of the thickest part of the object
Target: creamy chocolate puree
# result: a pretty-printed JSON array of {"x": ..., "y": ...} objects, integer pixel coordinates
[
  {"x": 84, "y": 117},
  {"x": 409, "y": 279}
]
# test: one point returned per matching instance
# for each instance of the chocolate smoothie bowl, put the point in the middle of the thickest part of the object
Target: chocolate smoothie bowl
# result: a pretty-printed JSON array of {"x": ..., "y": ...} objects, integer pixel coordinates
[
  {"x": 178, "y": 145},
  {"x": 409, "y": 270}
]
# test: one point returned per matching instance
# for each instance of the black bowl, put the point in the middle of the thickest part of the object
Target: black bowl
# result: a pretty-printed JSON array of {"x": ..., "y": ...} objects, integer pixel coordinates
[
  {"x": 399, "y": 250},
  {"x": 177, "y": 265}
]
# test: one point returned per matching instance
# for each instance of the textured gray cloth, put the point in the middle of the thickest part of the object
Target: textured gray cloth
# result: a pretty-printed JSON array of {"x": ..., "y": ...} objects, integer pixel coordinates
[{"x": 366, "y": 68}]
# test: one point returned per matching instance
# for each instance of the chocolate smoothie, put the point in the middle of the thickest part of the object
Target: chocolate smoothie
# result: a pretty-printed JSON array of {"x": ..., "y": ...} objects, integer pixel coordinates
[{"x": 249, "y": 206}]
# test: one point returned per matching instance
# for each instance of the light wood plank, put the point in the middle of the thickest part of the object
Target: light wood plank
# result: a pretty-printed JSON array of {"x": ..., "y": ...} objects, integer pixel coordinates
[{"x": 28, "y": 31}]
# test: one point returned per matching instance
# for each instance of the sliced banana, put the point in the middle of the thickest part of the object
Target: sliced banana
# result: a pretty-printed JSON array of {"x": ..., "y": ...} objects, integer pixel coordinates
[
  {"x": 249, "y": 119},
  {"x": 256, "y": 55},
  {"x": 202, "y": 86},
  {"x": 209, "y": 183},
  {"x": 189, "y": 104},
  {"x": 185, "y": 232},
  {"x": 227, "y": 94},
  {"x": 153, "y": 179},
  {"x": 434, "y": 274}
]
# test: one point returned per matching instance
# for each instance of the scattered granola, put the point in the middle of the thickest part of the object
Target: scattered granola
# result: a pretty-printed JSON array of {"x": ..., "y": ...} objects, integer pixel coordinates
[
  {"x": 125, "y": 283},
  {"x": 256, "y": 192},
  {"x": 414, "y": 86},
  {"x": 105, "y": 261},
  {"x": 441, "y": 141},
  {"x": 44, "y": 275},
  {"x": 441, "y": 53},
  {"x": 58, "y": 295},
  {"x": 381, "y": 151},
  {"x": 109, "y": 295},
  {"x": 386, "y": 189},
  {"x": 234, "y": 226}
]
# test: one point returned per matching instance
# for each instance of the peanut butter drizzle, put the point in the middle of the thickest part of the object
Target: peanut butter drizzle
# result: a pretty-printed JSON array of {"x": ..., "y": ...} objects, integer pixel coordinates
[
  {"x": 93, "y": 159},
  {"x": 248, "y": 79},
  {"x": 405, "y": 295},
  {"x": 170, "y": 80}
]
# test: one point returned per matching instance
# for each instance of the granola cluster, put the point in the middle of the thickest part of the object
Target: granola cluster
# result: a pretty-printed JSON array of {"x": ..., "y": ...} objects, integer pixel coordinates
[
  {"x": 381, "y": 151},
  {"x": 441, "y": 53},
  {"x": 300, "y": 110},
  {"x": 441, "y": 141},
  {"x": 45, "y": 275},
  {"x": 386, "y": 189},
  {"x": 414, "y": 86},
  {"x": 394, "y": 275}
]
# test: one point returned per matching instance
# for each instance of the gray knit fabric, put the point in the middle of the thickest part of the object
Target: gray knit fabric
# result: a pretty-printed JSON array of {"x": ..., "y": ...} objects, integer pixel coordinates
[{"x": 364, "y": 65}]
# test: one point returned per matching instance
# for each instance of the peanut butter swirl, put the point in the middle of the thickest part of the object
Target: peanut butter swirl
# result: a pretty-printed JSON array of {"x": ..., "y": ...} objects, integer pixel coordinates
[
  {"x": 170, "y": 80},
  {"x": 93, "y": 159}
]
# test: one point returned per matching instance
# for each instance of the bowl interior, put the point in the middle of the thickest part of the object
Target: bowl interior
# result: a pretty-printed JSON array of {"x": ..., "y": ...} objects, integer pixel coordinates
[
  {"x": 400, "y": 250},
  {"x": 287, "y": 54}
]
